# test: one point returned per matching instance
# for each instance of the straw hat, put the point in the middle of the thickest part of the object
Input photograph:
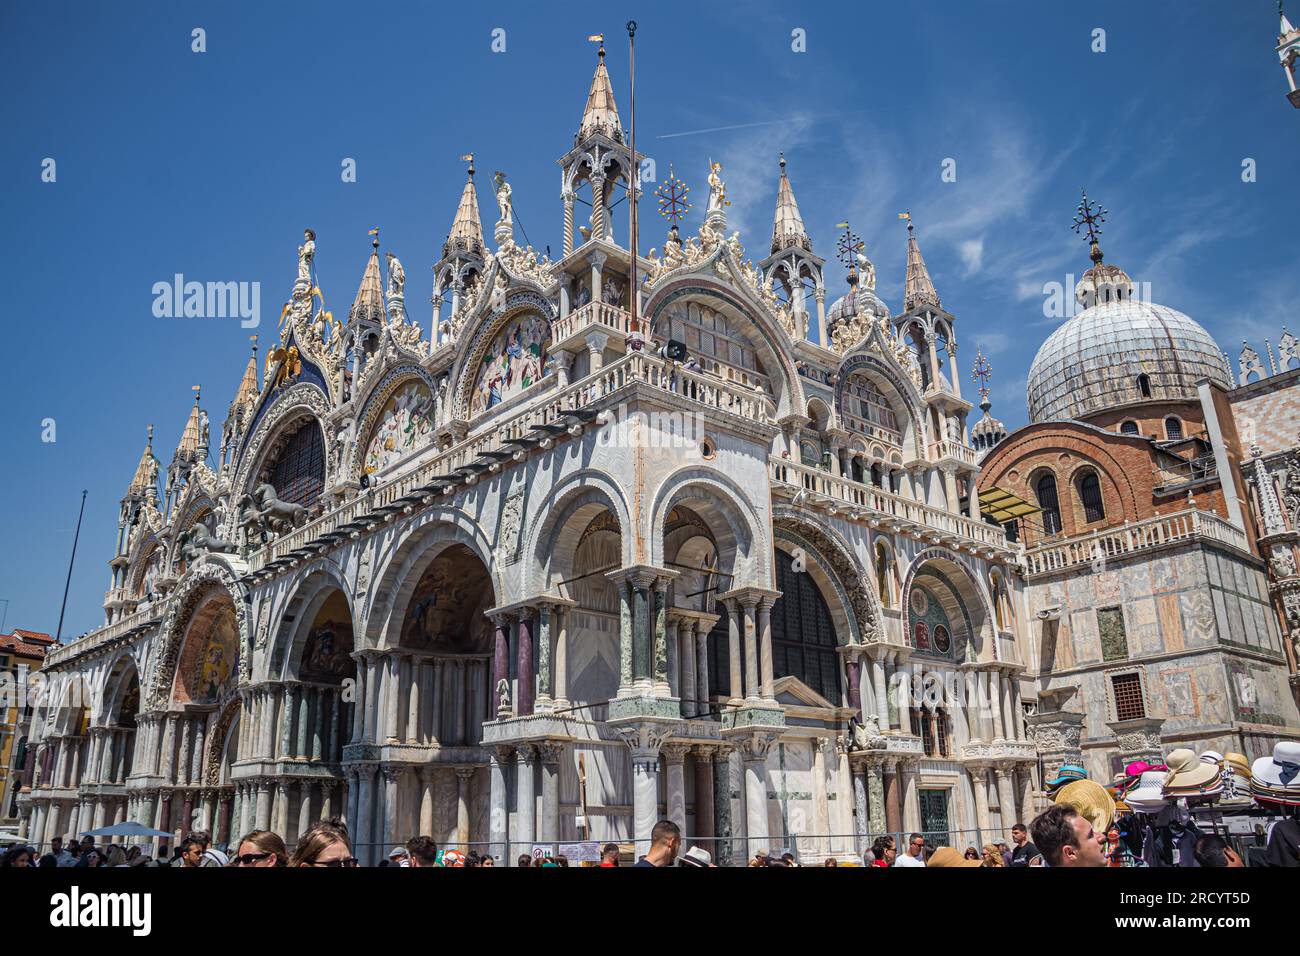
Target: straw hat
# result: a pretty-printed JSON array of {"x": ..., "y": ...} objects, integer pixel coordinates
[
  {"x": 1091, "y": 799},
  {"x": 948, "y": 856},
  {"x": 1238, "y": 763},
  {"x": 1187, "y": 771}
]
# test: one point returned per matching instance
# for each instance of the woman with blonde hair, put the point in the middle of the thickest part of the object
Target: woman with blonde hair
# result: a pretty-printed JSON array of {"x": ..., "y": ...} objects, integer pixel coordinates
[
  {"x": 260, "y": 848},
  {"x": 324, "y": 844},
  {"x": 992, "y": 857}
]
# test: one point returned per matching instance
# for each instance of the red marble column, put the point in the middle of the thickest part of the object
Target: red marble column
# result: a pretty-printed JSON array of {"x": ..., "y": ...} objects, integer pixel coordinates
[{"x": 524, "y": 668}]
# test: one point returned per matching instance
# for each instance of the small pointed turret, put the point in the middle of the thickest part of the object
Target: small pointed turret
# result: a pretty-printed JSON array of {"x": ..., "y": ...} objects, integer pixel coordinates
[
  {"x": 787, "y": 227},
  {"x": 600, "y": 116},
  {"x": 249, "y": 388},
  {"x": 369, "y": 303},
  {"x": 466, "y": 228},
  {"x": 919, "y": 289},
  {"x": 145, "y": 482},
  {"x": 188, "y": 448}
]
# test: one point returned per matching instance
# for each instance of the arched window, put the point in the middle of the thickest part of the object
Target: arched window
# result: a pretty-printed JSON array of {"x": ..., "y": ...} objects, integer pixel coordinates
[
  {"x": 1144, "y": 385},
  {"x": 1090, "y": 496},
  {"x": 1173, "y": 428},
  {"x": 803, "y": 634},
  {"x": 299, "y": 471},
  {"x": 855, "y": 468},
  {"x": 995, "y": 584},
  {"x": 1045, "y": 489},
  {"x": 877, "y": 478},
  {"x": 882, "y": 575},
  {"x": 1129, "y": 427}
]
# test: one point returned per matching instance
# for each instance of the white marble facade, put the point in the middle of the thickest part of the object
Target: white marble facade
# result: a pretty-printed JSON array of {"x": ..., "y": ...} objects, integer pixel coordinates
[{"x": 564, "y": 613}]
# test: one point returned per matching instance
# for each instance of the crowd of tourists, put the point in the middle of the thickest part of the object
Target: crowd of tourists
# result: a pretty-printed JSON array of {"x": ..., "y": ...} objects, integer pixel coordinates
[{"x": 1150, "y": 815}]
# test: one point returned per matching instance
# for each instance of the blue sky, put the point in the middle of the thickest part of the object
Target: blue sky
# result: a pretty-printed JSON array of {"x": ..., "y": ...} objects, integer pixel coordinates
[{"x": 211, "y": 164}]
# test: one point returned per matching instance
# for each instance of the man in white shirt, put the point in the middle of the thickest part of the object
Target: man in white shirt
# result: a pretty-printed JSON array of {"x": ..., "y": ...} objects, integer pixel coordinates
[{"x": 912, "y": 855}]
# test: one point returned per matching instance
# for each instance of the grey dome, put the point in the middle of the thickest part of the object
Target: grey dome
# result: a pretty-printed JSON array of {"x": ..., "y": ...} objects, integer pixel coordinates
[{"x": 1093, "y": 361}]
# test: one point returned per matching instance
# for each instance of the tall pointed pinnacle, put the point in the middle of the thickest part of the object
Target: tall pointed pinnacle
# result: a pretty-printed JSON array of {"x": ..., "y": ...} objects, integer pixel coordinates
[
  {"x": 1285, "y": 29},
  {"x": 919, "y": 289},
  {"x": 466, "y": 228},
  {"x": 146, "y": 473},
  {"x": 600, "y": 116},
  {"x": 369, "y": 303},
  {"x": 249, "y": 388},
  {"x": 787, "y": 227},
  {"x": 188, "y": 448}
]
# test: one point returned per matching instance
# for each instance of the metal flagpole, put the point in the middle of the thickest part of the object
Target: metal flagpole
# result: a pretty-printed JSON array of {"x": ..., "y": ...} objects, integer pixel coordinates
[
  {"x": 68, "y": 583},
  {"x": 635, "y": 177}
]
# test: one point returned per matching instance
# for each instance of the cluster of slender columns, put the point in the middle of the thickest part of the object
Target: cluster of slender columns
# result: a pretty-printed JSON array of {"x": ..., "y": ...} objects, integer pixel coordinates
[
  {"x": 749, "y": 637},
  {"x": 385, "y": 800},
  {"x": 530, "y": 654},
  {"x": 688, "y": 660},
  {"x": 294, "y": 721},
  {"x": 419, "y": 699},
  {"x": 284, "y": 805}
]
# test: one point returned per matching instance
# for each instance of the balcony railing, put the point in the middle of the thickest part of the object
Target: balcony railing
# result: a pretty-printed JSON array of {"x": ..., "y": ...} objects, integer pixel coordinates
[
  {"x": 1156, "y": 532},
  {"x": 878, "y": 502},
  {"x": 594, "y": 314},
  {"x": 105, "y": 634},
  {"x": 953, "y": 450}
]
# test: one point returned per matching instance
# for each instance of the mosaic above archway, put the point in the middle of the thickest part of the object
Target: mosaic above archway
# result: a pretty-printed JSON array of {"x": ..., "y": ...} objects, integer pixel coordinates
[
  {"x": 327, "y": 654},
  {"x": 515, "y": 361},
  {"x": 446, "y": 611},
  {"x": 405, "y": 423},
  {"x": 209, "y": 665}
]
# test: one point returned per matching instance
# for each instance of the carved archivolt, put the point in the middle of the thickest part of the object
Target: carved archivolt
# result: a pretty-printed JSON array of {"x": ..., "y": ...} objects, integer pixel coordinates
[
  {"x": 200, "y": 579},
  {"x": 292, "y": 404},
  {"x": 861, "y": 600},
  {"x": 470, "y": 355},
  {"x": 217, "y": 743},
  {"x": 374, "y": 404}
]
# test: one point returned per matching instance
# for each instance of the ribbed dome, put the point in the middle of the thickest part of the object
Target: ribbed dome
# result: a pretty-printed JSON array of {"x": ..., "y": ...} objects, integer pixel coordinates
[{"x": 1095, "y": 360}]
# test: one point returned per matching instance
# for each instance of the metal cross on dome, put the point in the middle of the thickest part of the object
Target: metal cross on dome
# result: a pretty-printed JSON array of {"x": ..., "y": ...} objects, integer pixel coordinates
[
  {"x": 1089, "y": 217},
  {"x": 981, "y": 373},
  {"x": 848, "y": 246},
  {"x": 672, "y": 192}
]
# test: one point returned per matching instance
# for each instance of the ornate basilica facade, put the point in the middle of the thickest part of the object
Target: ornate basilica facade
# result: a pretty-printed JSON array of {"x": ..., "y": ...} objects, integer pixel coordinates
[{"x": 566, "y": 564}]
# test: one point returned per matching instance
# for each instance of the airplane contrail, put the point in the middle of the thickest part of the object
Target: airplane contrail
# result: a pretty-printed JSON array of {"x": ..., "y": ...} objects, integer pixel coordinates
[{"x": 718, "y": 129}]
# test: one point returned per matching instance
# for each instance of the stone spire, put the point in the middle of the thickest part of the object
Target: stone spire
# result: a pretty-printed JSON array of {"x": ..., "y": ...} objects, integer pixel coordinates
[
  {"x": 787, "y": 227},
  {"x": 188, "y": 449},
  {"x": 600, "y": 116},
  {"x": 466, "y": 229},
  {"x": 145, "y": 481},
  {"x": 919, "y": 290},
  {"x": 249, "y": 388},
  {"x": 369, "y": 303}
]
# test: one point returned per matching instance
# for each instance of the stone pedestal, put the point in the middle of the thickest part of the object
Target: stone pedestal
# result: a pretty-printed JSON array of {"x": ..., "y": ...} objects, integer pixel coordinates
[{"x": 1139, "y": 739}]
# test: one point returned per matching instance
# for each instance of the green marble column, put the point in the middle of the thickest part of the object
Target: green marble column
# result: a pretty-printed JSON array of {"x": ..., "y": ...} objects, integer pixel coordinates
[
  {"x": 625, "y": 629},
  {"x": 644, "y": 634},
  {"x": 661, "y": 634},
  {"x": 722, "y": 807}
]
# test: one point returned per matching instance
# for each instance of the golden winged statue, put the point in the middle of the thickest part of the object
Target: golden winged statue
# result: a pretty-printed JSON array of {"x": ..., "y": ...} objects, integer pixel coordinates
[{"x": 286, "y": 365}]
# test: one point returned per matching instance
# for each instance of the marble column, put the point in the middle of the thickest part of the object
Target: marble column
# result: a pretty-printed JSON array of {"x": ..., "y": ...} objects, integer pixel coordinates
[
  {"x": 1006, "y": 796},
  {"x": 548, "y": 826},
  {"x": 754, "y": 752},
  {"x": 498, "y": 801},
  {"x": 392, "y": 698},
  {"x": 979, "y": 781},
  {"x": 414, "y": 726},
  {"x": 674, "y": 665},
  {"x": 752, "y": 688},
  {"x": 683, "y": 638},
  {"x": 1027, "y": 808},
  {"x": 701, "y": 669},
  {"x": 660, "y": 646},
  {"x": 674, "y": 755},
  {"x": 304, "y": 701},
  {"x": 326, "y": 799},
  {"x": 626, "y": 637},
  {"x": 437, "y": 692},
  {"x": 288, "y": 738},
  {"x": 500, "y": 666},
  {"x": 861, "y": 810},
  {"x": 304, "y": 808},
  {"x": 545, "y": 657},
  {"x": 704, "y": 807},
  {"x": 821, "y": 804},
  {"x": 876, "y": 813},
  {"x": 524, "y": 667},
  {"x": 645, "y": 796},
  {"x": 428, "y": 777},
  {"x": 561, "y": 662},
  {"x": 359, "y": 701},
  {"x": 643, "y": 638},
  {"x": 893, "y": 799},
  {"x": 911, "y": 799},
  {"x": 735, "y": 662},
  {"x": 365, "y": 830},
  {"x": 766, "y": 678},
  {"x": 881, "y": 691},
  {"x": 995, "y": 703},
  {"x": 525, "y": 800},
  {"x": 393, "y": 776},
  {"x": 464, "y": 780},
  {"x": 281, "y": 814},
  {"x": 722, "y": 822}
]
